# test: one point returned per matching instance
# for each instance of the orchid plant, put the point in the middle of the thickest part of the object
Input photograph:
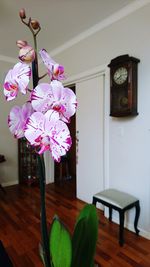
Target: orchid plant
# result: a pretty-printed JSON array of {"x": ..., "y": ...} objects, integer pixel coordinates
[{"x": 43, "y": 120}]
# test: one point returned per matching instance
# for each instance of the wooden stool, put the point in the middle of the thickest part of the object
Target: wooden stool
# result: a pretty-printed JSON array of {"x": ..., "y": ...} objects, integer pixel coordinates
[{"x": 120, "y": 201}]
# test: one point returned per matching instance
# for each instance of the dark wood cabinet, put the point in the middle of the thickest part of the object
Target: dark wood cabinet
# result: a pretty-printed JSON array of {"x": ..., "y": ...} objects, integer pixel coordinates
[{"x": 28, "y": 163}]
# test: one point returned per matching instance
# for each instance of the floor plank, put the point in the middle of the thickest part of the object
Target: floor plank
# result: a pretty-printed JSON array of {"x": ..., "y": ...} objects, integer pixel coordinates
[{"x": 20, "y": 228}]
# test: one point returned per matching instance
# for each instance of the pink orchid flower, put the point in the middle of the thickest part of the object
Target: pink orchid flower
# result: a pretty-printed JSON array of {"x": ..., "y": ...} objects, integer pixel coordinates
[
  {"x": 17, "y": 119},
  {"x": 55, "y": 71},
  {"x": 54, "y": 96},
  {"x": 48, "y": 132},
  {"x": 17, "y": 79}
]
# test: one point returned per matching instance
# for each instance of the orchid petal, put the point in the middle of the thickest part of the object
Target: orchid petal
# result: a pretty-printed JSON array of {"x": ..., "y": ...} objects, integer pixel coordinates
[
  {"x": 55, "y": 71},
  {"x": 58, "y": 133},
  {"x": 48, "y": 132},
  {"x": 54, "y": 96},
  {"x": 47, "y": 60},
  {"x": 23, "y": 77},
  {"x": 60, "y": 141},
  {"x": 66, "y": 99},
  {"x": 27, "y": 110},
  {"x": 42, "y": 97},
  {"x": 17, "y": 79},
  {"x": 10, "y": 86},
  {"x": 52, "y": 116},
  {"x": 17, "y": 119},
  {"x": 35, "y": 128}
]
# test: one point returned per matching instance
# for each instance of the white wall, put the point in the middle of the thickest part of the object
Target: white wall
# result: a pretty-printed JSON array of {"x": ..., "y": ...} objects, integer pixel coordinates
[{"x": 129, "y": 138}]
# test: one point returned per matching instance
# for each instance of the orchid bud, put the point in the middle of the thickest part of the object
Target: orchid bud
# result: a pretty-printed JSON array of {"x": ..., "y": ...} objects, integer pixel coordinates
[
  {"x": 21, "y": 43},
  {"x": 27, "y": 54},
  {"x": 22, "y": 13},
  {"x": 35, "y": 24}
]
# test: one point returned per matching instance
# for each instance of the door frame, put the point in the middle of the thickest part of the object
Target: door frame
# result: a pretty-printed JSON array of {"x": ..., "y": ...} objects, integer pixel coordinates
[
  {"x": 71, "y": 153},
  {"x": 100, "y": 70}
]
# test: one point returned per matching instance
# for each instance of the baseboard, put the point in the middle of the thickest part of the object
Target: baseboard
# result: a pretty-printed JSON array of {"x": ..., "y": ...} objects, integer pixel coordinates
[
  {"x": 9, "y": 183},
  {"x": 129, "y": 226}
]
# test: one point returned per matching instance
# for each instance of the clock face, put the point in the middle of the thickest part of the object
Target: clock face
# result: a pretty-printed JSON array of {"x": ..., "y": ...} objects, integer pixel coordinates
[{"x": 120, "y": 75}]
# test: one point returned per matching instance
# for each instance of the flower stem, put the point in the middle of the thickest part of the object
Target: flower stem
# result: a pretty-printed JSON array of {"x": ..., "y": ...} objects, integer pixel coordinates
[
  {"x": 35, "y": 71},
  {"x": 44, "y": 232},
  {"x": 35, "y": 62},
  {"x": 41, "y": 165},
  {"x": 45, "y": 242}
]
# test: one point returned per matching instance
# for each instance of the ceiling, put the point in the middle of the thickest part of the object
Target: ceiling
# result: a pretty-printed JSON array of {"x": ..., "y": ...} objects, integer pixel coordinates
[{"x": 60, "y": 20}]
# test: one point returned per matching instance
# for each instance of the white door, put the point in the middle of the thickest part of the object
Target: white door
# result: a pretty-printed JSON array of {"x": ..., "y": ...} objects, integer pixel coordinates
[{"x": 89, "y": 125}]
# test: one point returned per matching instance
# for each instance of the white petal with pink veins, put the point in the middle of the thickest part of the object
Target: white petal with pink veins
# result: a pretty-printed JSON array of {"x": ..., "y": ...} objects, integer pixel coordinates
[
  {"x": 47, "y": 131},
  {"x": 60, "y": 141},
  {"x": 66, "y": 98},
  {"x": 16, "y": 80},
  {"x": 23, "y": 76},
  {"x": 35, "y": 128},
  {"x": 47, "y": 60},
  {"x": 54, "y": 96},
  {"x": 15, "y": 122},
  {"x": 52, "y": 116},
  {"x": 55, "y": 71},
  {"x": 42, "y": 97},
  {"x": 17, "y": 119}
]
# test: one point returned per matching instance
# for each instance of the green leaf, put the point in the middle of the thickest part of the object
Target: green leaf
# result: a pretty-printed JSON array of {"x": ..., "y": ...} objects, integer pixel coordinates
[
  {"x": 85, "y": 237},
  {"x": 60, "y": 245}
]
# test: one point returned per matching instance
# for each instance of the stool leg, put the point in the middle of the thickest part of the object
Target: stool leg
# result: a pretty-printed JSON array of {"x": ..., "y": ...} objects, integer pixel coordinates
[
  {"x": 121, "y": 228},
  {"x": 110, "y": 214},
  {"x": 94, "y": 201},
  {"x": 137, "y": 214}
]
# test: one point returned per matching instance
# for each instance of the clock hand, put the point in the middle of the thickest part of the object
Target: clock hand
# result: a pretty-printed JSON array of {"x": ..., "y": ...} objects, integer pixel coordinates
[{"x": 118, "y": 77}]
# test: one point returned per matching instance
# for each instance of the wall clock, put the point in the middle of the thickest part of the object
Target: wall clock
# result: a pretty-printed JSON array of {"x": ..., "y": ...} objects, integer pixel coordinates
[{"x": 123, "y": 86}]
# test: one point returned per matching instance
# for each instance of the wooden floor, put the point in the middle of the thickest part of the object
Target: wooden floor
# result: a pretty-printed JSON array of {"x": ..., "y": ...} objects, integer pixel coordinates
[{"x": 20, "y": 228}]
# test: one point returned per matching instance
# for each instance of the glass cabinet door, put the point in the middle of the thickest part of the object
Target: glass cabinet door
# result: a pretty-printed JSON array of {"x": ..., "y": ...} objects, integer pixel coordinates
[{"x": 28, "y": 163}]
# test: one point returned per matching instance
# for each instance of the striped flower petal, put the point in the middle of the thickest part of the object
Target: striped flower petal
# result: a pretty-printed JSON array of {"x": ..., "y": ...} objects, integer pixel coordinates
[
  {"x": 17, "y": 80},
  {"x": 55, "y": 71},
  {"x": 54, "y": 96},
  {"x": 48, "y": 132},
  {"x": 17, "y": 119}
]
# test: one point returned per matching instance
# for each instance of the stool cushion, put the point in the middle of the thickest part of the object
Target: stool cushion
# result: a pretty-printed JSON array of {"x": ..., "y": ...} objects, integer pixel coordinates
[{"x": 116, "y": 198}]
